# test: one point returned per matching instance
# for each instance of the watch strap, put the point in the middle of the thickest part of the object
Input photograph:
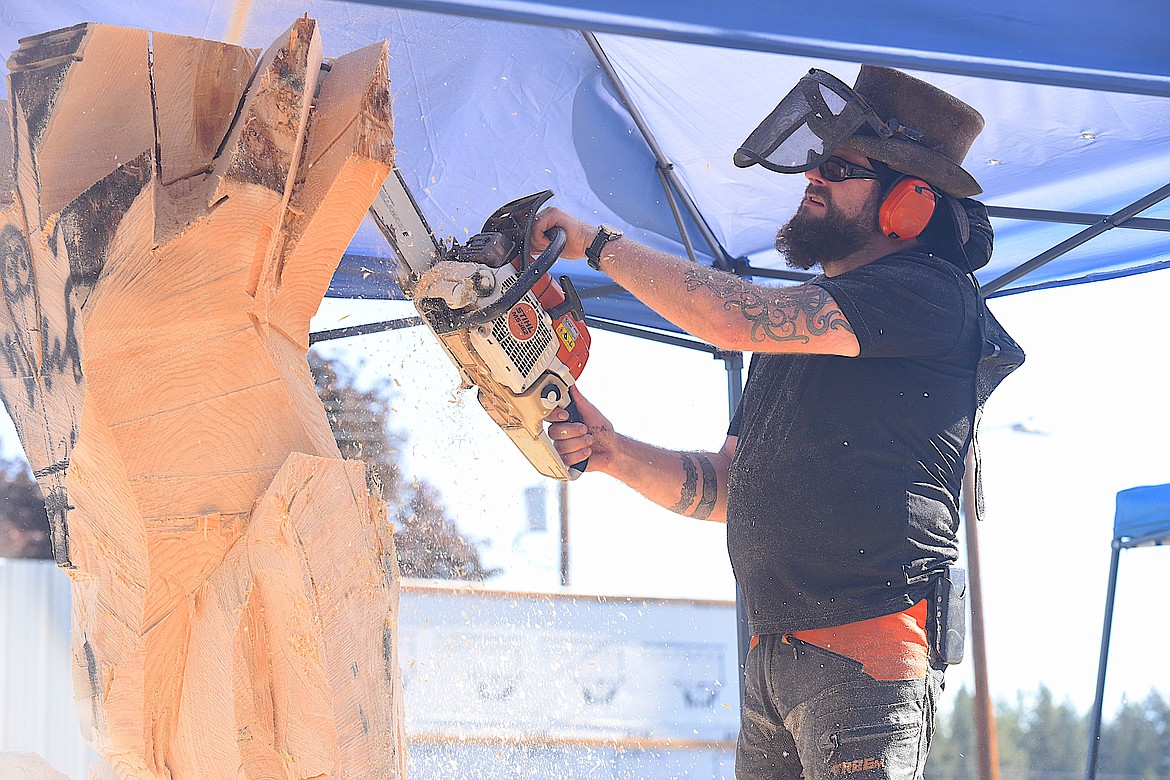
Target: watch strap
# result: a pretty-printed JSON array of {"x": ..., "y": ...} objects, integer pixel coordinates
[{"x": 605, "y": 234}]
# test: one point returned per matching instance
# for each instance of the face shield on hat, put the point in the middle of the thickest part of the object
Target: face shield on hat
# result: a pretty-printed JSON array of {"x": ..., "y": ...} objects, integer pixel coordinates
[{"x": 808, "y": 125}]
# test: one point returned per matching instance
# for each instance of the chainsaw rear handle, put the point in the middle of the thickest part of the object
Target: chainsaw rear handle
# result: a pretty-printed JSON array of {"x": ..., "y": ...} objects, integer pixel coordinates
[{"x": 578, "y": 468}]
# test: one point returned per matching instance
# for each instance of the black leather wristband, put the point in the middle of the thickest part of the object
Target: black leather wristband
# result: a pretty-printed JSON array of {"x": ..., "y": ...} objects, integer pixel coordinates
[{"x": 605, "y": 234}]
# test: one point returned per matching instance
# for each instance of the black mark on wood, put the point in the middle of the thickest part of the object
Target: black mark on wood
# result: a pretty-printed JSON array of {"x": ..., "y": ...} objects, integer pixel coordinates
[
  {"x": 36, "y": 50},
  {"x": 88, "y": 224},
  {"x": 95, "y": 683},
  {"x": 390, "y": 668},
  {"x": 35, "y": 91},
  {"x": 57, "y": 507},
  {"x": 16, "y": 282}
]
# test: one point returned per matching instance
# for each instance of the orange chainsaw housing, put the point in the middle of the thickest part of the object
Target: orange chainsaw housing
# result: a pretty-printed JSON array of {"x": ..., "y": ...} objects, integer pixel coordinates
[{"x": 574, "y": 338}]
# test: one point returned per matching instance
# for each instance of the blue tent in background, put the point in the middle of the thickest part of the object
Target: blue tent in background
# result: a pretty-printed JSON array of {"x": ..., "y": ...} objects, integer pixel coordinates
[{"x": 1142, "y": 519}]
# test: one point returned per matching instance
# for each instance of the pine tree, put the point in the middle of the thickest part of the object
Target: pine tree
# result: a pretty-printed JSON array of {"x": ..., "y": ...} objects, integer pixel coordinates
[
  {"x": 1057, "y": 738},
  {"x": 24, "y": 526},
  {"x": 1012, "y": 740},
  {"x": 1039, "y": 739},
  {"x": 1136, "y": 741},
  {"x": 952, "y": 753},
  {"x": 428, "y": 543}
]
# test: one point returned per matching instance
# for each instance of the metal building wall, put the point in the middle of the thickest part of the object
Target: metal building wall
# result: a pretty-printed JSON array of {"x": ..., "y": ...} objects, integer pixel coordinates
[
  {"x": 500, "y": 685},
  {"x": 37, "y": 712}
]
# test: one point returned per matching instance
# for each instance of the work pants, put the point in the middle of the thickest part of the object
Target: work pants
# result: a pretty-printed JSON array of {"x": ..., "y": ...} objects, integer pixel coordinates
[{"x": 812, "y": 713}]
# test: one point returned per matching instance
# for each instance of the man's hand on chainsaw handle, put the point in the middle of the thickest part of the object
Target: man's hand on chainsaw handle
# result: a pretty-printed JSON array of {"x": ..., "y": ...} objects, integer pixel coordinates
[
  {"x": 591, "y": 438},
  {"x": 578, "y": 233},
  {"x": 689, "y": 483}
]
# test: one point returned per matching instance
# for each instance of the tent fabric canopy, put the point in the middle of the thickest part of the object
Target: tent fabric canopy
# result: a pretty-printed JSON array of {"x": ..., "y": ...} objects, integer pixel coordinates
[
  {"x": 488, "y": 110},
  {"x": 1067, "y": 44}
]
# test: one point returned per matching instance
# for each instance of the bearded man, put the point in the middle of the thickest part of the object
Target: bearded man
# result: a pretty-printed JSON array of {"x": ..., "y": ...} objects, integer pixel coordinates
[{"x": 839, "y": 478}]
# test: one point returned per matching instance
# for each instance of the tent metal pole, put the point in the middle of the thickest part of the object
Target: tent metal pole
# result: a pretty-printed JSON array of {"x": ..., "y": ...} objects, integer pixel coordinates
[
  {"x": 1108, "y": 223},
  {"x": 985, "y": 733},
  {"x": 722, "y": 259},
  {"x": 1076, "y": 218},
  {"x": 650, "y": 335},
  {"x": 672, "y": 201},
  {"x": 1086, "y": 279},
  {"x": 733, "y": 363},
  {"x": 361, "y": 330},
  {"x": 1099, "y": 697},
  {"x": 746, "y": 269}
]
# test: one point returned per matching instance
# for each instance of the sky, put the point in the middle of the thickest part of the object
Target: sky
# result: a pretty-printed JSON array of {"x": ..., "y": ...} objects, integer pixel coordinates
[{"x": 1084, "y": 418}]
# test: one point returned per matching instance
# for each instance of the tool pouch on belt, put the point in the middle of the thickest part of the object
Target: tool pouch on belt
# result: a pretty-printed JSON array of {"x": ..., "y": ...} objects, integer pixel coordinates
[{"x": 948, "y": 614}]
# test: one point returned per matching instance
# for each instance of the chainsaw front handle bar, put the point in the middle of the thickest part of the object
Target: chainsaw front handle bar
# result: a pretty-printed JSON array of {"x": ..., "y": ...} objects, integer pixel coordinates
[{"x": 524, "y": 282}]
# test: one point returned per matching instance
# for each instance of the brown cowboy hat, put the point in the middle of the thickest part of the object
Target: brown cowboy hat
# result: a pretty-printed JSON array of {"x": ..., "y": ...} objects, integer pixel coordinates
[{"x": 945, "y": 128}]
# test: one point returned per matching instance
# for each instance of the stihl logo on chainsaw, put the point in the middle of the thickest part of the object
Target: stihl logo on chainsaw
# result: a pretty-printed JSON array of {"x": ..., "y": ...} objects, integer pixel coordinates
[{"x": 522, "y": 321}]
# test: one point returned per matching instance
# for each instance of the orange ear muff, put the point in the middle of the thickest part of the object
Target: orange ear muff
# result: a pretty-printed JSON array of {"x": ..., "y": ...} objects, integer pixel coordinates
[{"x": 906, "y": 210}]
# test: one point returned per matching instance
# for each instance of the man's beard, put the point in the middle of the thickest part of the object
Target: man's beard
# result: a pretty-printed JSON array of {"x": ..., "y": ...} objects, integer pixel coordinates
[{"x": 807, "y": 240}]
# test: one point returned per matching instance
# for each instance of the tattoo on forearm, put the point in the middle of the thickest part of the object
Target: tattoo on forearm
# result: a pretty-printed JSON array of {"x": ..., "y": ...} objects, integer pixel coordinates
[
  {"x": 795, "y": 314},
  {"x": 710, "y": 490},
  {"x": 690, "y": 485}
]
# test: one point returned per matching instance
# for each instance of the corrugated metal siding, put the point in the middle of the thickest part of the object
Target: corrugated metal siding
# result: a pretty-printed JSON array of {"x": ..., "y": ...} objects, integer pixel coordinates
[
  {"x": 37, "y": 711},
  {"x": 563, "y": 668}
]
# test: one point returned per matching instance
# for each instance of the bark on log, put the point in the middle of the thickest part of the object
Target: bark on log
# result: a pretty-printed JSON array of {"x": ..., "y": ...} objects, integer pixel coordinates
[{"x": 173, "y": 215}]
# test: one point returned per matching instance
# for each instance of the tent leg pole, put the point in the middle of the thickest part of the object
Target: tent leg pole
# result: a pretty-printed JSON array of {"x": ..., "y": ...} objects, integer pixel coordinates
[
  {"x": 985, "y": 734},
  {"x": 1099, "y": 697},
  {"x": 743, "y": 642},
  {"x": 733, "y": 363},
  {"x": 563, "y": 505}
]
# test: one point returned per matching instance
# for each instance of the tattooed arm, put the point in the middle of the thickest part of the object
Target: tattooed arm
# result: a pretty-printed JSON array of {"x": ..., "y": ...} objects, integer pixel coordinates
[
  {"x": 754, "y": 318},
  {"x": 688, "y": 483},
  {"x": 718, "y": 307}
]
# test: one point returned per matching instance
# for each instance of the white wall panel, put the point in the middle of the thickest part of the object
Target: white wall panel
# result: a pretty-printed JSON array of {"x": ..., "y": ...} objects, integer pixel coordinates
[{"x": 37, "y": 712}]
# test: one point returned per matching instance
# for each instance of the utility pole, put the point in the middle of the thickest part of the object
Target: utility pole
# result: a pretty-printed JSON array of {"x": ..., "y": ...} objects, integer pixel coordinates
[{"x": 986, "y": 739}]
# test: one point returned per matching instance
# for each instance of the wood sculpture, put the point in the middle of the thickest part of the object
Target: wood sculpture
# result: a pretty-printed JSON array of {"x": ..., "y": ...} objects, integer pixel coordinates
[{"x": 172, "y": 218}]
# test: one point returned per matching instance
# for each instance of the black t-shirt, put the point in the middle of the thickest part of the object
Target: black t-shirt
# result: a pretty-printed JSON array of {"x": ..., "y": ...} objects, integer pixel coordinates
[{"x": 843, "y": 493}]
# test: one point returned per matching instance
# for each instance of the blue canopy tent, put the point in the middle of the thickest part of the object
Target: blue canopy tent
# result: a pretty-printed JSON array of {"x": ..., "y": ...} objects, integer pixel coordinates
[
  {"x": 629, "y": 110},
  {"x": 1142, "y": 519},
  {"x": 498, "y": 99},
  {"x": 638, "y": 131}
]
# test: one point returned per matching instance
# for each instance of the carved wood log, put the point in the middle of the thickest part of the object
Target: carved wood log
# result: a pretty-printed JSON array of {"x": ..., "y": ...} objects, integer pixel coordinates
[{"x": 171, "y": 220}]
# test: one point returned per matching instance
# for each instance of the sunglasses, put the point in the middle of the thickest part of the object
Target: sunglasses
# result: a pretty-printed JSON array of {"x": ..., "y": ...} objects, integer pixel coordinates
[{"x": 835, "y": 169}]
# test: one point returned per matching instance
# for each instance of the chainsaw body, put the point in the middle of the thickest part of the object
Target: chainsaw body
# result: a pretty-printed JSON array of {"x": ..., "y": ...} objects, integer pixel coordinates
[{"x": 513, "y": 332}]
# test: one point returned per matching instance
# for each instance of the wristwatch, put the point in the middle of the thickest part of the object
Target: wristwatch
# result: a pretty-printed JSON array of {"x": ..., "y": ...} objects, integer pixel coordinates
[{"x": 605, "y": 234}]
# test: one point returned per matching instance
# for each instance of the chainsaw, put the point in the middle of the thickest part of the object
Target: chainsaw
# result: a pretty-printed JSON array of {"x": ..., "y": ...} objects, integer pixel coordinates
[{"x": 511, "y": 330}]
